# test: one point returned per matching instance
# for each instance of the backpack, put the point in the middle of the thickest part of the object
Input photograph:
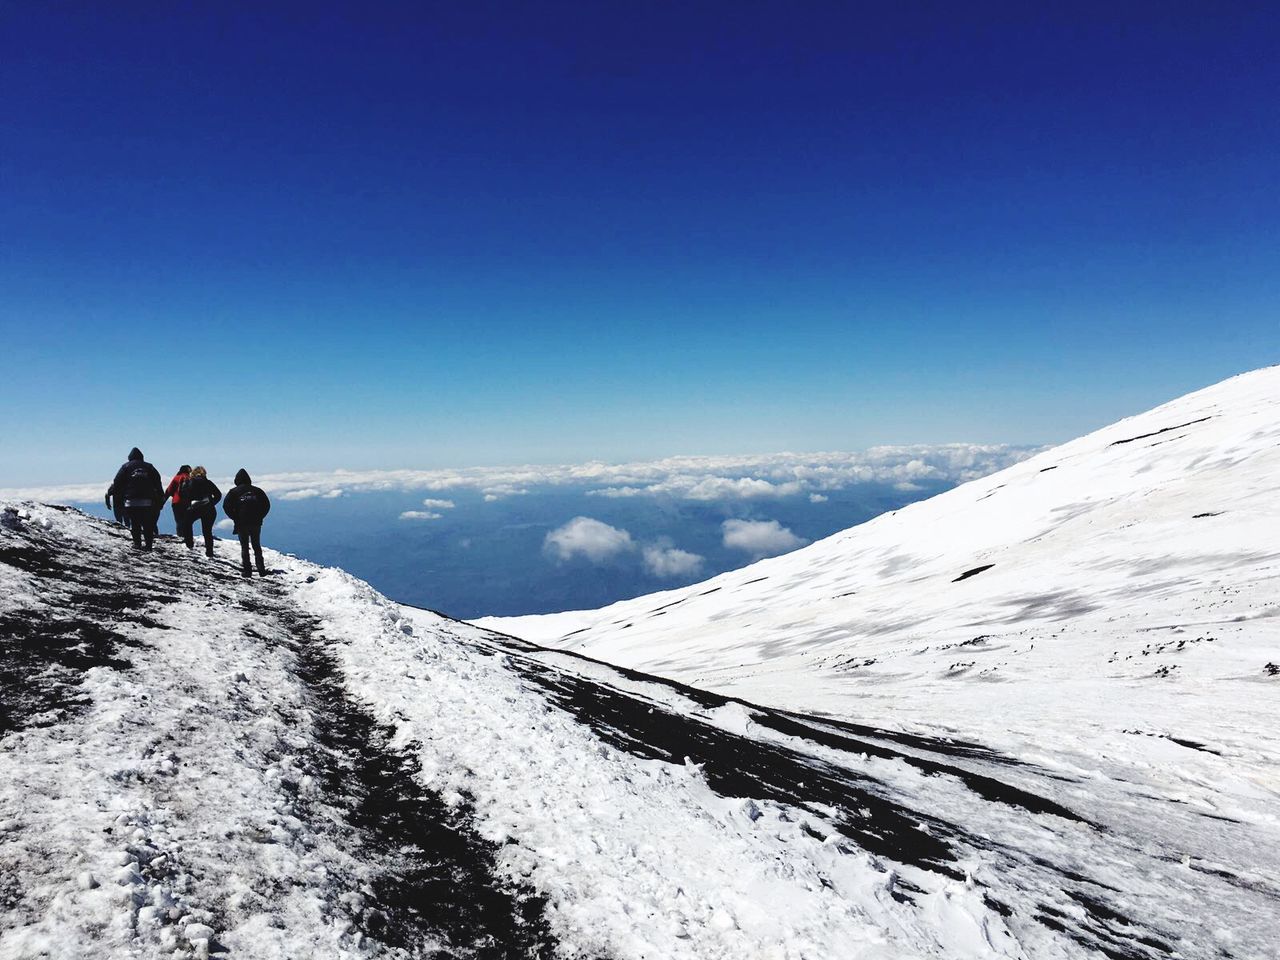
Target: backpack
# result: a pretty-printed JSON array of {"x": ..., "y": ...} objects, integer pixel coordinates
[
  {"x": 138, "y": 485},
  {"x": 186, "y": 496},
  {"x": 249, "y": 507}
]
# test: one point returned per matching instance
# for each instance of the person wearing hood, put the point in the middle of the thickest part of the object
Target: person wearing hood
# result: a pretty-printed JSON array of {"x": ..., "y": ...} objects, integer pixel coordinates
[
  {"x": 248, "y": 506},
  {"x": 200, "y": 497},
  {"x": 181, "y": 516},
  {"x": 140, "y": 491}
]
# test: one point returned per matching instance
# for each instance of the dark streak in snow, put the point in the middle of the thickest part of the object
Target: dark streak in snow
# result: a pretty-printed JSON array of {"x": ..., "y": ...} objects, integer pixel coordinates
[
  {"x": 1156, "y": 433},
  {"x": 432, "y": 888},
  {"x": 973, "y": 572},
  {"x": 43, "y": 657},
  {"x": 738, "y": 767},
  {"x": 867, "y": 812},
  {"x": 436, "y": 878},
  {"x": 435, "y": 872},
  {"x": 986, "y": 787}
]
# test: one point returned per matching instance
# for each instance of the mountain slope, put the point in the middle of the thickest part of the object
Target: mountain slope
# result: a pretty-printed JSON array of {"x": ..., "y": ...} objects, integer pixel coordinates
[
  {"x": 181, "y": 769},
  {"x": 1092, "y": 558},
  {"x": 192, "y": 764},
  {"x": 1123, "y": 580},
  {"x": 1105, "y": 610}
]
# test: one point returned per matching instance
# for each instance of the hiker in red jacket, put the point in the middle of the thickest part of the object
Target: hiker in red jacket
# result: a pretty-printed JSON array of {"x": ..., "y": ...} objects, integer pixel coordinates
[{"x": 181, "y": 518}]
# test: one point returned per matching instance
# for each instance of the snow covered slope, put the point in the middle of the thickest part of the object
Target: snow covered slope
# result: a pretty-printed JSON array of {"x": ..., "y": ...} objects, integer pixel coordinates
[
  {"x": 1134, "y": 570},
  {"x": 193, "y": 764},
  {"x": 1108, "y": 610}
]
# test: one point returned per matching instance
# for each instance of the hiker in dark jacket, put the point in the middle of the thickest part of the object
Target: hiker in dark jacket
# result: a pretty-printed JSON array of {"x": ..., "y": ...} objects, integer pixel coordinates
[
  {"x": 247, "y": 506},
  {"x": 139, "y": 486},
  {"x": 181, "y": 518},
  {"x": 200, "y": 497}
]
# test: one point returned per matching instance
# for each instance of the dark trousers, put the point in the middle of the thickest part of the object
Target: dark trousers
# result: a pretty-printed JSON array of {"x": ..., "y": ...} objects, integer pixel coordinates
[
  {"x": 251, "y": 536},
  {"x": 206, "y": 527},
  {"x": 182, "y": 521},
  {"x": 142, "y": 523}
]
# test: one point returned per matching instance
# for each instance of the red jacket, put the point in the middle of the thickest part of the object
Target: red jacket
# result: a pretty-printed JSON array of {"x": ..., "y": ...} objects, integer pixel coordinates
[{"x": 174, "y": 484}]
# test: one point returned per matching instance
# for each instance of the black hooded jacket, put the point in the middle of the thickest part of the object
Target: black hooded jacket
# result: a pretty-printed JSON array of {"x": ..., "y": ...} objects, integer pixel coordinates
[
  {"x": 200, "y": 495},
  {"x": 246, "y": 504},
  {"x": 137, "y": 481}
]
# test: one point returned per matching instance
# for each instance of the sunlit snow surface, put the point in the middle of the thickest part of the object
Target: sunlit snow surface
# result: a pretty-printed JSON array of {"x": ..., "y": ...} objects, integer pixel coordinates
[{"x": 1021, "y": 762}]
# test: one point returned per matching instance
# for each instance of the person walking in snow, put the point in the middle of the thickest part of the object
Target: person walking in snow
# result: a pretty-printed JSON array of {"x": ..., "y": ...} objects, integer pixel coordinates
[
  {"x": 181, "y": 518},
  {"x": 248, "y": 506},
  {"x": 139, "y": 486},
  {"x": 200, "y": 497}
]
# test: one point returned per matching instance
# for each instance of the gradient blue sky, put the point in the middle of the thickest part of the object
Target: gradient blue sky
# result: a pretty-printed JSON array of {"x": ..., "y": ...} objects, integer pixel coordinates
[{"x": 382, "y": 235}]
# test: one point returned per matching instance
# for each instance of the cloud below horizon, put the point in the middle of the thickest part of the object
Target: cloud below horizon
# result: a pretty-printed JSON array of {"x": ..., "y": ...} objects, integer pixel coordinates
[
  {"x": 311, "y": 493},
  {"x": 664, "y": 560},
  {"x": 420, "y": 515},
  {"x": 760, "y": 538},
  {"x": 586, "y": 537}
]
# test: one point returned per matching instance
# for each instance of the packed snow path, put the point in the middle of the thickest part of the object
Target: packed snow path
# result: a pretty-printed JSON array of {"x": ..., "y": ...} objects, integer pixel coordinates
[
  {"x": 194, "y": 764},
  {"x": 182, "y": 769}
]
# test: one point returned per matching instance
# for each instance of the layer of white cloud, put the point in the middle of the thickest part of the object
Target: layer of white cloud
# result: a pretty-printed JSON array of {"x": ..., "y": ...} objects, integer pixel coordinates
[
  {"x": 433, "y": 504},
  {"x": 224, "y": 524},
  {"x": 306, "y": 493},
  {"x": 501, "y": 491},
  {"x": 311, "y": 493},
  {"x": 818, "y": 498},
  {"x": 420, "y": 515},
  {"x": 683, "y": 478},
  {"x": 760, "y": 538},
  {"x": 707, "y": 488},
  {"x": 586, "y": 537},
  {"x": 663, "y": 560}
]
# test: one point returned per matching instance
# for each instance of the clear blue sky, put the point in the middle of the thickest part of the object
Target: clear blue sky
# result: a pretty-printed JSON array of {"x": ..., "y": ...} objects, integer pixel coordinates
[{"x": 390, "y": 235}]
